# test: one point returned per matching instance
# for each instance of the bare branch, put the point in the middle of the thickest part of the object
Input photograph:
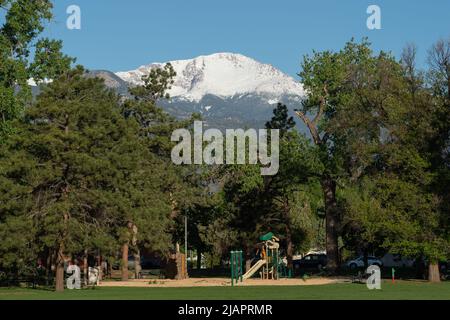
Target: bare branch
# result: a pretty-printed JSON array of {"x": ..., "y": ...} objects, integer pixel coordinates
[
  {"x": 322, "y": 106},
  {"x": 311, "y": 126}
]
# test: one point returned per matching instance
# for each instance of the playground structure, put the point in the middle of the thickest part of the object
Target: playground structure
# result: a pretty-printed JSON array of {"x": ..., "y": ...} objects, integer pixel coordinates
[
  {"x": 236, "y": 267},
  {"x": 270, "y": 264},
  {"x": 176, "y": 267}
]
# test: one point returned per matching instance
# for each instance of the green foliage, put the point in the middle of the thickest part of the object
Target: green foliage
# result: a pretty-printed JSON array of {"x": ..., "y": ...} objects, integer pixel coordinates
[
  {"x": 250, "y": 205},
  {"x": 49, "y": 62},
  {"x": 183, "y": 185},
  {"x": 281, "y": 120},
  {"x": 381, "y": 129},
  {"x": 77, "y": 173},
  {"x": 19, "y": 34},
  {"x": 86, "y": 169},
  {"x": 381, "y": 134},
  {"x": 156, "y": 84}
]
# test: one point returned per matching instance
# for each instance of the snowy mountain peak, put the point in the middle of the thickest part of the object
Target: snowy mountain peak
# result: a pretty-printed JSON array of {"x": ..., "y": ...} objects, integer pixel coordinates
[{"x": 224, "y": 75}]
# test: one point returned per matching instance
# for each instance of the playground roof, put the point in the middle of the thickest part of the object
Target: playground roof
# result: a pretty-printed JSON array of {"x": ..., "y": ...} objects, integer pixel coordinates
[{"x": 266, "y": 237}]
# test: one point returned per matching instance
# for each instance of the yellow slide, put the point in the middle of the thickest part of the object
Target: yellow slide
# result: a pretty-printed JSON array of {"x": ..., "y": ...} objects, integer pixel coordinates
[{"x": 253, "y": 269}]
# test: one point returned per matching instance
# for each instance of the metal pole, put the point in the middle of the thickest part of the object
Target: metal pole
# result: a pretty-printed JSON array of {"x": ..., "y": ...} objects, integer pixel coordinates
[{"x": 186, "y": 243}]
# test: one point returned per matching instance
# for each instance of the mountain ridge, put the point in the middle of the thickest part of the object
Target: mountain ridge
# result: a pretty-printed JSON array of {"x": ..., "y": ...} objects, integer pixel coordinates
[
  {"x": 236, "y": 92},
  {"x": 225, "y": 75}
]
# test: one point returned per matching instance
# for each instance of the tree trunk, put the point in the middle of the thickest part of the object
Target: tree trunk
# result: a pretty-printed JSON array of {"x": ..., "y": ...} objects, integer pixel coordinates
[
  {"x": 137, "y": 253},
  {"x": 85, "y": 267},
  {"x": 137, "y": 264},
  {"x": 329, "y": 190},
  {"x": 328, "y": 187},
  {"x": 433, "y": 272},
  {"x": 288, "y": 230},
  {"x": 289, "y": 246},
  {"x": 110, "y": 270},
  {"x": 59, "y": 281},
  {"x": 199, "y": 259},
  {"x": 100, "y": 267},
  {"x": 125, "y": 262},
  {"x": 289, "y": 250}
]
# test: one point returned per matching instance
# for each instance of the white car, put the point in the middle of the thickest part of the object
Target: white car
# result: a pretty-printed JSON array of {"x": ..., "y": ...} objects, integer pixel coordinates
[{"x": 359, "y": 262}]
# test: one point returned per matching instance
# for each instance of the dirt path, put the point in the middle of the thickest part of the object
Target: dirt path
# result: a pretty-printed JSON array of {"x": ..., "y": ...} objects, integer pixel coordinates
[{"x": 219, "y": 282}]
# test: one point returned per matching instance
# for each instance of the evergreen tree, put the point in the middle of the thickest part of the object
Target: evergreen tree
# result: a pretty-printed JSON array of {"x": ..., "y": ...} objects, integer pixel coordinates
[
  {"x": 281, "y": 119},
  {"x": 182, "y": 185},
  {"x": 289, "y": 206},
  {"x": 85, "y": 173},
  {"x": 253, "y": 205}
]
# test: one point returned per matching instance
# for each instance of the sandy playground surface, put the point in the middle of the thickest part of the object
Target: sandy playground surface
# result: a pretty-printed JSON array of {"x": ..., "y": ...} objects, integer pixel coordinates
[{"x": 218, "y": 282}]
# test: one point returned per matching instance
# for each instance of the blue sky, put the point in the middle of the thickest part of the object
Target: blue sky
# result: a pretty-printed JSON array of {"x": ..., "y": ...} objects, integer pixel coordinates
[{"x": 121, "y": 35}]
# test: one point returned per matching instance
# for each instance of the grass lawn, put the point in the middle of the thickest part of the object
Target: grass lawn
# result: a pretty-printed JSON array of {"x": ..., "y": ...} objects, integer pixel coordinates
[{"x": 404, "y": 290}]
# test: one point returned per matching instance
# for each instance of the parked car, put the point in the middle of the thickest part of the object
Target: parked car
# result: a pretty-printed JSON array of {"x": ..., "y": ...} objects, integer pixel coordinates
[
  {"x": 311, "y": 261},
  {"x": 359, "y": 262},
  {"x": 395, "y": 260}
]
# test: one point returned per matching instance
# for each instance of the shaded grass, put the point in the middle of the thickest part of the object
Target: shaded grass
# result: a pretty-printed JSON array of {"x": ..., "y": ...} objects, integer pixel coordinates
[{"x": 404, "y": 290}]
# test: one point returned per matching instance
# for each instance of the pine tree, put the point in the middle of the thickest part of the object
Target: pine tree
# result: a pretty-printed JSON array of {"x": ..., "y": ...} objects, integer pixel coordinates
[
  {"x": 180, "y": 186},
  {"x": 281, "y": 119},
  {"x": 287, "y": 202},
  {"x": 87, "y": 173}
]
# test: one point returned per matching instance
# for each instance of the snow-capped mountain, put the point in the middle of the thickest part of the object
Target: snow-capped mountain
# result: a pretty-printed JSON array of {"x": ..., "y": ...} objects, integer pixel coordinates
[
  {"x": 229, "y": 90},
  {"x": 224, "y": 75}
]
